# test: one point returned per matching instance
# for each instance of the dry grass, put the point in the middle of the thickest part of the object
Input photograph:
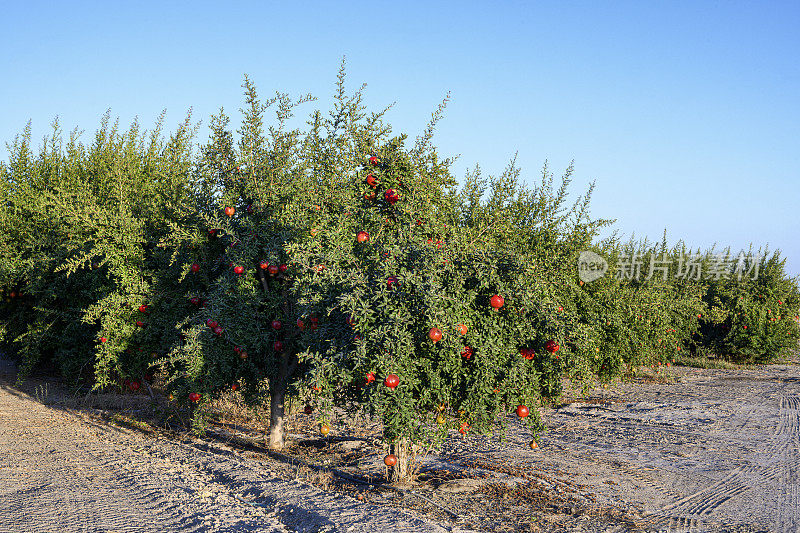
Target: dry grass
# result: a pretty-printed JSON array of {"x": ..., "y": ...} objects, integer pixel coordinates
[
  {"x": 229, "y": 409},
  {"x": 650, "y": 374},
  {"x": 107, "y": 401},
  {"x": 702, "y": 361},
  {"x": 323, "y": 479}
]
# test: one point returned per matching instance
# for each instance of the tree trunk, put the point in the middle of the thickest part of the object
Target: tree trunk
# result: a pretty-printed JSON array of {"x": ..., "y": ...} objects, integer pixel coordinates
[
  {"x": 277, "y": 429},
  {"x": 403, "y": 471},
  {"x": 287, "y": 363}
]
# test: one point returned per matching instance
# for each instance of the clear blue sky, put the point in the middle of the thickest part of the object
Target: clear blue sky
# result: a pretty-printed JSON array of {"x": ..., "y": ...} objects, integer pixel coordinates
[{"x": 686, "y": 113}]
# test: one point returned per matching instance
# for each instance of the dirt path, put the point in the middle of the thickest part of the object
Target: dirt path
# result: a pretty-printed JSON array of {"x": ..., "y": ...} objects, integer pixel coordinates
[
  {"x": 61, "y": 472},
  {"x": 717, "y": 451}
]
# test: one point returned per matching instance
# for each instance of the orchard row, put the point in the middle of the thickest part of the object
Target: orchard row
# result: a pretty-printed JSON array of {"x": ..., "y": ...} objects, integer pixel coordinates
[{"x": 341, "y": 267}]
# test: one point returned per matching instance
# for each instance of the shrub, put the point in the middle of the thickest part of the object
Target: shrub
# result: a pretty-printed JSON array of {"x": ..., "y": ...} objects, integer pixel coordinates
[
  {"x": 85, "y": 223},
  {"x": 758, "y": 314}
]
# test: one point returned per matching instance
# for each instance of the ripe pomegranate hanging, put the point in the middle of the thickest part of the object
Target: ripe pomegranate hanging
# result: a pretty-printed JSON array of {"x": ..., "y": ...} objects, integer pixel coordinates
[
  {"x": 391, "y": 196},
  {"x": 497, "y": 301}
]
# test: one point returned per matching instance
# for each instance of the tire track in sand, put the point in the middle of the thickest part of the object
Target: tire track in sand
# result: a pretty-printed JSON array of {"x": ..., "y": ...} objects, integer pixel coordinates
[
  {"x": 60, "y": 472},
  {"x": 788, "y": 433},
  {"x": 782, "y": 451}
]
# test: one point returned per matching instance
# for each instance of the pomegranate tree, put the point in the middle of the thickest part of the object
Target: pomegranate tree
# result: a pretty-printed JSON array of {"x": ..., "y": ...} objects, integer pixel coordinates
[{"x": 436, "y": 329}]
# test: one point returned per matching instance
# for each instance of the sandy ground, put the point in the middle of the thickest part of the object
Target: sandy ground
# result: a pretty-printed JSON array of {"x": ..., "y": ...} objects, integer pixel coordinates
[
  {"x": 61, "y": 472},
  {"x": 715, "y": 451}
]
